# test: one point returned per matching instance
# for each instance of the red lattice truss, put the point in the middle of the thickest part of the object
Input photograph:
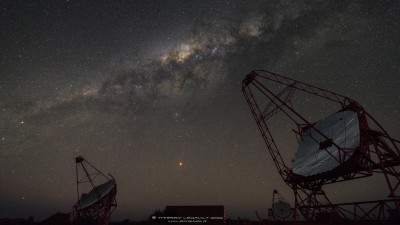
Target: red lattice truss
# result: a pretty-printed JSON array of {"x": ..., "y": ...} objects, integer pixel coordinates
[{"x": 378, "y": 152}]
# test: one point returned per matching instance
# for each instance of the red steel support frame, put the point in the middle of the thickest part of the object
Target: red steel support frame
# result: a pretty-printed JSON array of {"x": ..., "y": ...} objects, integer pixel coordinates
[{"x": 378, "y": 152}]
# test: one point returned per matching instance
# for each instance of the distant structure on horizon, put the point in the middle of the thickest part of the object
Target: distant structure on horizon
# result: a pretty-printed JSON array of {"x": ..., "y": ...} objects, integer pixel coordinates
[
  {"x": 57, "y": 219},
  {"x": 280, "y": 209},
  {"x": 347, "y": 144}
]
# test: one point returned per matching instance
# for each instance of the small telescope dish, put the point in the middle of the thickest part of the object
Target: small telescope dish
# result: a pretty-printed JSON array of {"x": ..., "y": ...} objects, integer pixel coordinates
[{"x": 281, "y": 210}]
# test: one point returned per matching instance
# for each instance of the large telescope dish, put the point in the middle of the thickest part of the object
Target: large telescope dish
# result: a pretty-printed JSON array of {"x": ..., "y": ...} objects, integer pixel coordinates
[
  {"x": 316, "y": 154},
  {"x": 347, "y": 145}
]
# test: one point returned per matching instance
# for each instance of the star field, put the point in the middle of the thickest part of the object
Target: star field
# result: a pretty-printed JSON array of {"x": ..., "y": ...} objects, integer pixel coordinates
[{"x": 150, "y": 92}]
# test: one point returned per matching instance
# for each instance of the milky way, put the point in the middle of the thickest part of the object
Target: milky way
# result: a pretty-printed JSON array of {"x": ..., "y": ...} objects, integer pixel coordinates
[{"x": 138, "y": 87}]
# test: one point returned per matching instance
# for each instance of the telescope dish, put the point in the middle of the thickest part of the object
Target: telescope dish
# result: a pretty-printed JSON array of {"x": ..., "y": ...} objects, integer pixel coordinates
[
  {"x": 281, "y": 210},
  {"x": 98, "y": 204},
  {"x": 316, "y": 154},
  {"x": 96, "y": 194}
]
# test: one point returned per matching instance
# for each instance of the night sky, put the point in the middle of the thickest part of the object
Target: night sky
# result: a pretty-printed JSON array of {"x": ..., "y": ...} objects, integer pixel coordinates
[{"x": 136, "y": 87}]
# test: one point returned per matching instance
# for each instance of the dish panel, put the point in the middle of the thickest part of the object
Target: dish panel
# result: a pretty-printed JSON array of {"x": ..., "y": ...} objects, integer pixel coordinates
[
  {"x": 344, "y": 130},
  {"x": 91, "y": 198}
]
